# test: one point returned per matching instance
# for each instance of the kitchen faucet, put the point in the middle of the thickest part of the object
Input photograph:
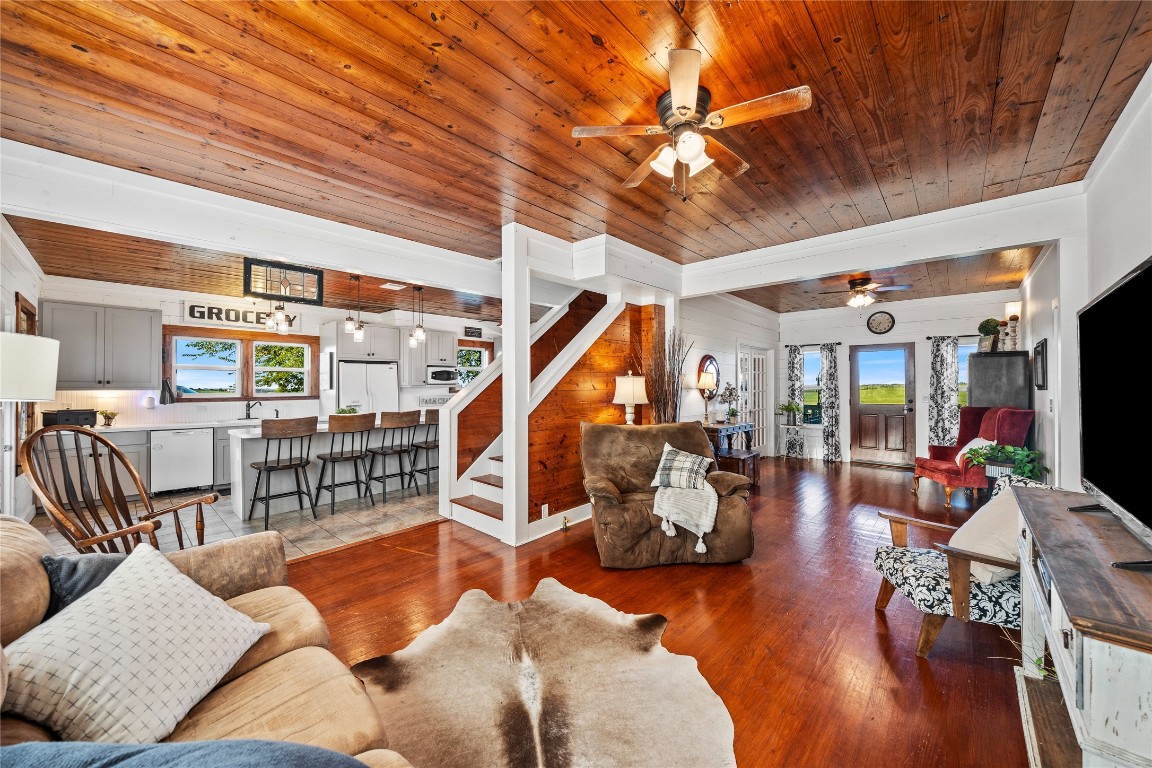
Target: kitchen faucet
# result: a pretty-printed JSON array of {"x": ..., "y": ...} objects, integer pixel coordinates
[{"x": 248, "y": 406}]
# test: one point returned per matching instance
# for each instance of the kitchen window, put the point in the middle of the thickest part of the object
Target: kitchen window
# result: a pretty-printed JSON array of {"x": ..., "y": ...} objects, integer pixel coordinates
[
  {"x": 279, "y": 369},
  {"x": 221, "y": 364},
  {"x": 206, "y": 368},
  {"x": 469, "y": 362}
]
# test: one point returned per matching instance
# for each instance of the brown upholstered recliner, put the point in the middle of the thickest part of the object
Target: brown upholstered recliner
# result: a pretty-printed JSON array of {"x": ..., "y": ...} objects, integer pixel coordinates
[
  {"x": 619, "y": 463},
  {"x": 1004, "y": 426}
]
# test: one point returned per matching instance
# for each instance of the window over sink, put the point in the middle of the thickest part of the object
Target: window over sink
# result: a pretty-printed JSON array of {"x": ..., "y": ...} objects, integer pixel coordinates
[{"x": 204, "y": 364}]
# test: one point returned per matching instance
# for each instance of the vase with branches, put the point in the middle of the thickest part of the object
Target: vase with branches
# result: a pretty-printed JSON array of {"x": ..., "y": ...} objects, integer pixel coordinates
[{"x": 663, "y": 367}]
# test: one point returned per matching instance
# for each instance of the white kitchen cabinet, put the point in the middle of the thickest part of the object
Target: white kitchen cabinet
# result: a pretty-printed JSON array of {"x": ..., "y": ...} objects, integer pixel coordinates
[
  {"x": 440, "y": 348},
  {"x": 411, "y": 362},
  {"x": 104, "y": 347},
  {"x": 380, "y": 343}
]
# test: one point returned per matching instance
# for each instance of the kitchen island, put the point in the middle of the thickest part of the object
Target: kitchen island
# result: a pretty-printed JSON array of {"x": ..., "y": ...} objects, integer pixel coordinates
[{"x": 247, "y": 446}]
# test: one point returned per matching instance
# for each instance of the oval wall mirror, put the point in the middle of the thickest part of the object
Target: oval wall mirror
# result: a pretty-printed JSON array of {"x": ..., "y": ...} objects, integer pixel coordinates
[{"x": 708, "y": 381}]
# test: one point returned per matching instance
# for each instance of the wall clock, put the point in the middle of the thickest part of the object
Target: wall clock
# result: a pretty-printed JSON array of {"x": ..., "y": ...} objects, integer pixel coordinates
[{"x": 881, "y": 322}]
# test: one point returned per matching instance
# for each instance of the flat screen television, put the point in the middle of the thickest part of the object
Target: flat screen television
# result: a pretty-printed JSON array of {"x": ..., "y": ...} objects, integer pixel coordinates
[{"x": 1112, "y": 342}]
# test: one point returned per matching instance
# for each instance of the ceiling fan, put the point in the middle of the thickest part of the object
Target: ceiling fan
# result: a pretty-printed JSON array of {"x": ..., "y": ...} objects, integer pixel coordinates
[
  {"x": 864, "y": 291},
  {"x": 683, "y": 112}
]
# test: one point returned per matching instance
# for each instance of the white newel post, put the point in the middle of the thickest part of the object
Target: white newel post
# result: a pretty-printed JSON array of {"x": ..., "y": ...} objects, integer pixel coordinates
[{"x": 515, "y": 380}]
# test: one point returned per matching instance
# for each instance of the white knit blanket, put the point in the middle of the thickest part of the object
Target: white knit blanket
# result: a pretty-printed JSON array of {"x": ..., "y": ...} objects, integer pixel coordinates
[{"x": 693, "y": 509}]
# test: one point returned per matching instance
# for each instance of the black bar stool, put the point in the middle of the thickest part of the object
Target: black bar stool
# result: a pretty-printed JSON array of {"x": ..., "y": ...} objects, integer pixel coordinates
[
  {"x": 399, "y": 432},
  {"x": 429, "y": 445},
  {"x": 292, "y": 440},
  {"x": 349, "y": 443}
]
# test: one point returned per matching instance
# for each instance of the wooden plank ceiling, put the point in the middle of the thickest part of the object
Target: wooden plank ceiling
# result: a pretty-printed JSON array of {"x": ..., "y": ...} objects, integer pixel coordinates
[
  {"x": 441, "y": 121},
  {"x": 89, "y": 254}
]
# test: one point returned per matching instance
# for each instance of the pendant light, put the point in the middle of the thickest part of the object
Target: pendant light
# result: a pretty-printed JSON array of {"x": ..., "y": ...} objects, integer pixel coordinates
[
  {"x": 350, "y": 322},
  {"x": 358, "y": 329},
  {"x": 418, "y": 332},
  {"x": 270, "y": 320}
]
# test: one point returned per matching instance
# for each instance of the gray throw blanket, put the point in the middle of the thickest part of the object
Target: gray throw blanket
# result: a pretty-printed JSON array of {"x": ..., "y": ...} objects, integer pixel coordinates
[{"x": 693, "y": 509}]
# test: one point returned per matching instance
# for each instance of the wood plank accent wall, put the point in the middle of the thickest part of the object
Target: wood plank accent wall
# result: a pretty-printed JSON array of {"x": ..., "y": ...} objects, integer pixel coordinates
[
  {"x": 555, "y": 476},
  {"x": 483, "y": 417}
]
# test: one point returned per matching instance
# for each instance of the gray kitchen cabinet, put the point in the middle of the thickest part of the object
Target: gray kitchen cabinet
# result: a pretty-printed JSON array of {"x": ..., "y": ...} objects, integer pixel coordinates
[
  {"x": 438, "y": 348},
  {"x": 222, "y": 469},
  {"x": 104, "y": 347},
  {"x": 380, "y": 343},
  {"x": 134, "y": 446}
]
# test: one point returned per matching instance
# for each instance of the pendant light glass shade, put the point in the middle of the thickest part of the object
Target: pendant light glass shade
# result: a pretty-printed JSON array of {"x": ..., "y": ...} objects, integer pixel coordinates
[
  {"x": 279, "y": 313},
  {"x": 412, "y": 343},
  {"x": 358, "y": 333},
  {"x": 349, "y": 324},
  {"x": 419, "y": 333}
]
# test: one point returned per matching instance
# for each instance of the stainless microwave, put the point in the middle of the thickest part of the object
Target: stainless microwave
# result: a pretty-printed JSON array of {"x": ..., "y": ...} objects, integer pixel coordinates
[{"x": 441, "y": 375}]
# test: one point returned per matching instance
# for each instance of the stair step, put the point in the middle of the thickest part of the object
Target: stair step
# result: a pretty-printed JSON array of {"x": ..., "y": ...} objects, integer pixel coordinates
[
  {"x": 493, "y": 480},
  {"x": 495, "y": 458},
  {"x": 483, "y": 506}
]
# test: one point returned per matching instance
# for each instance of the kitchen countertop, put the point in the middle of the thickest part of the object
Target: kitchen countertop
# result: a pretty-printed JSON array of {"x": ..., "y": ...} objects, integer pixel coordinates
[
  {"x": 254, "y": 432},
  {"x": 180, "y": 425}
]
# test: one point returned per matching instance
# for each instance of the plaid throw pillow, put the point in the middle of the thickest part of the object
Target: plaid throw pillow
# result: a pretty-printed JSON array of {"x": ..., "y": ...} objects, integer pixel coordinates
[{"x": 679, "y": 469}]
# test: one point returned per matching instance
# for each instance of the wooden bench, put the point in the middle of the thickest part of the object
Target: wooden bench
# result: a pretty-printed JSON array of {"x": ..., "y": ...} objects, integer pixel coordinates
[{"x": 741, "y": 462}]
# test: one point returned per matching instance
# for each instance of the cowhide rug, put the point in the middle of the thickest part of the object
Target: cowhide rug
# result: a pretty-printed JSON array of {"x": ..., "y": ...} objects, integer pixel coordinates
[{"x": 560, "y": 679}]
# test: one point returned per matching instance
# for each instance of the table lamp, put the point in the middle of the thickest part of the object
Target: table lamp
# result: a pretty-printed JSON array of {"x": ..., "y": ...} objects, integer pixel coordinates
[
  {"x": 28, "y": 368},
  {"x": 706, "y": 384},
  {"x": 630, "y": 392}
]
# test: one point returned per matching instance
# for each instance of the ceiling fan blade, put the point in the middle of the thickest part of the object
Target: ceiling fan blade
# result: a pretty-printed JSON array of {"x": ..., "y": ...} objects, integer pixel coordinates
[
  {"x": 783, "y": 103},
  {"x": 586, "y": 131},
  {"x": 892, "y": 288},
  {"x": 822, "y": 293},
  {"x": 643, "y": 169},
  {"x": 727, "y": 162},
  {"x": 680, "y": 178},
  {"x": 683, "y": 80},
  {"x": 870, "y": 286}
]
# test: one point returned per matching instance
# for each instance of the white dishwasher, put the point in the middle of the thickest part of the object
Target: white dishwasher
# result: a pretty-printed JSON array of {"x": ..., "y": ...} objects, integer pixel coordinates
[{"x": 181, "y": 458}]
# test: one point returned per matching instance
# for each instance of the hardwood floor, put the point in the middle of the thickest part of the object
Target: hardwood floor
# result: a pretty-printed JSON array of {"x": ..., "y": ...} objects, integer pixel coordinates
[{"x": 812, "y": 674}]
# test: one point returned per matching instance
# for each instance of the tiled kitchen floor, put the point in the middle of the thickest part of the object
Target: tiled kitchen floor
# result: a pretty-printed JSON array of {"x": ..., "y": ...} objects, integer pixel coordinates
[{"x": 354, "y": 520}]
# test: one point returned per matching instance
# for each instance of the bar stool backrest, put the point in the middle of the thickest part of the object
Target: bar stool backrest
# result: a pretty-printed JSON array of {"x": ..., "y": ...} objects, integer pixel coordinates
[
  {"x": 432, "y": 420},
  {"x": 399, "y": 428},
  {"x": 350, "y": 431},
  {"x": 287, "y": 438}
]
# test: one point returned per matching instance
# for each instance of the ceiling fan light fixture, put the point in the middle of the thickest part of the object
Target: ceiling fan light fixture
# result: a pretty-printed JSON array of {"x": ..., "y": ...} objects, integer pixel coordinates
[
  {"x": 861, "y": 299},
  {"x": 699, "y": 164},
  {"x": 689, "y": 147},
  {"x": 664, "y": 162}
]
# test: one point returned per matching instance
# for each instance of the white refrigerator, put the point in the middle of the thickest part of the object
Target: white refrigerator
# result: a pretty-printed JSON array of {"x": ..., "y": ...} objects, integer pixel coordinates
[{"x": 368, "y": 387}]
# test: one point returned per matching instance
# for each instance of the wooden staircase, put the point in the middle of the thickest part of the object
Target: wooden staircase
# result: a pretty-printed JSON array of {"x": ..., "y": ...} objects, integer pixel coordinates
[{"x": 487, "y": 495}]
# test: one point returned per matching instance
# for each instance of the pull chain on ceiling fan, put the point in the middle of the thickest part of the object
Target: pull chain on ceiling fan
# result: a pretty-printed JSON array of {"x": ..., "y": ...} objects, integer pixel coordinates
[{"x": 683, "y": 112}]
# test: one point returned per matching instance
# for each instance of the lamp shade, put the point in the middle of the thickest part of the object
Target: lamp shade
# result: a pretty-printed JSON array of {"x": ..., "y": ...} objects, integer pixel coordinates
[
  {"x": 630, "y": 390},
  {"x": 28, "y": 368},
  {"x": 707, "y": 380}
]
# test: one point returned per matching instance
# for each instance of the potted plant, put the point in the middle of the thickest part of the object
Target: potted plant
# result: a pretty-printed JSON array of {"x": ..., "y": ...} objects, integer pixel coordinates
[
  {"x": 989, "y": 330},
  {"x": 1023, "y": 461},
  {"x": 728, "y": 396},
  {"x": 108, "y": 417},
  {"x": 349, "y": 409},
  {"x": 791, "y": 412}
]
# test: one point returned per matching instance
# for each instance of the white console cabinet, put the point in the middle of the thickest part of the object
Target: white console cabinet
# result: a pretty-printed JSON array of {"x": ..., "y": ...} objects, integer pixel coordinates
[{"x": 1095, "y": 622}]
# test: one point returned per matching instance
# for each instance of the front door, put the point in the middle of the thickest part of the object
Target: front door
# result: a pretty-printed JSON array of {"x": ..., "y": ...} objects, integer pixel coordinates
[
  {"x": 752, "y": 380},
  {"x": 883, "y": 393}
]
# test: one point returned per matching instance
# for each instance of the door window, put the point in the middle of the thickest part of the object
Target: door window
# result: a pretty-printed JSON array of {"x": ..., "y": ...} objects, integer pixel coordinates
[{"x": 881, "y": 377}]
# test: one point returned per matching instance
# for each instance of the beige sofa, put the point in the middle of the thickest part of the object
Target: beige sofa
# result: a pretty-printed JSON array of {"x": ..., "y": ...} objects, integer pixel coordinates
[{"x": 287, "y": 687}]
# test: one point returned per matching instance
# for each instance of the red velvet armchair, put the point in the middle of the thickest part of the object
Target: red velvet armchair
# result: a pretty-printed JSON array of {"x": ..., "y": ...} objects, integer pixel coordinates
[{"x": 1004, "y": 426}]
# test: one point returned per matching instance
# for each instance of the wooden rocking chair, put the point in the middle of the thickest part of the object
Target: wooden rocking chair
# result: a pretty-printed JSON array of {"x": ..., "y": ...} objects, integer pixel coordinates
[{"x": 84, "y": 487}]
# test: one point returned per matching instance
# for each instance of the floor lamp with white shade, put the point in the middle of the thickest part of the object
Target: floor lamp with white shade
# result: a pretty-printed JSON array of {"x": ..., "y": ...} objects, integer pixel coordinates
[{"x": 27, "y": 375}]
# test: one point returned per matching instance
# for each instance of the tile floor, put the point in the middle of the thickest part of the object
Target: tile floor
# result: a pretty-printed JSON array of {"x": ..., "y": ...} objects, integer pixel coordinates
[{"x": 354, "y": 520}]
